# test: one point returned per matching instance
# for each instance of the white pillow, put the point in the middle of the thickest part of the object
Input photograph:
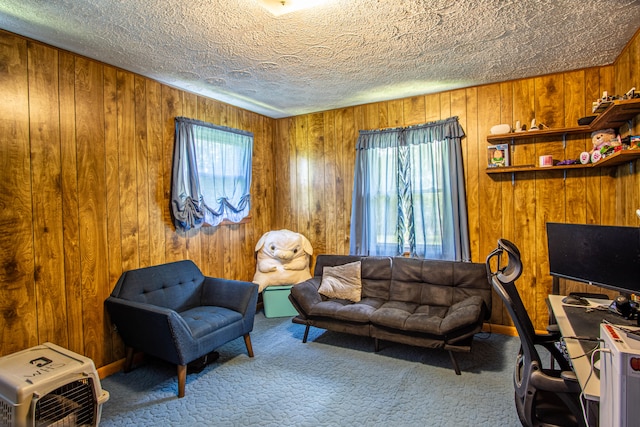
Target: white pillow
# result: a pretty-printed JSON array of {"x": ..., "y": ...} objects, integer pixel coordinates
[{"x": 342, "y": 282}]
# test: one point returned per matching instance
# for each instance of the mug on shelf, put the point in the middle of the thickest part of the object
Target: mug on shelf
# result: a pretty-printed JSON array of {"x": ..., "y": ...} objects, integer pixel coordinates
[{"x": 545, "y": 161}]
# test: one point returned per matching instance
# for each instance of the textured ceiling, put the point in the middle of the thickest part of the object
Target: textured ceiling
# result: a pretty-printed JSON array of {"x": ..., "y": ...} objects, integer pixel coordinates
[{"x": 340, "y": 53}]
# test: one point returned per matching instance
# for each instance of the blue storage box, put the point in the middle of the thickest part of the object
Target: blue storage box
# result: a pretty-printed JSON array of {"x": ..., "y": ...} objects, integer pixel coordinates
[{"x": 276, "y": 301}]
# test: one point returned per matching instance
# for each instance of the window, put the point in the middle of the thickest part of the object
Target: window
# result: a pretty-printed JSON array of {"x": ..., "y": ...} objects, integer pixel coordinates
[
  {"x": 409, "y": 193},
  {"x": 211, "y": 174}
]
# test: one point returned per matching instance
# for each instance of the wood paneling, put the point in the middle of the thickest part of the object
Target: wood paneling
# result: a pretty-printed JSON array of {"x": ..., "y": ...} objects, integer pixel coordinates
[
  {"x": 45, "y": 157},
  {"x": 18, "y": 311},
  {"x": 70, "y": 203},
  {"x": 86, "y": 169}
]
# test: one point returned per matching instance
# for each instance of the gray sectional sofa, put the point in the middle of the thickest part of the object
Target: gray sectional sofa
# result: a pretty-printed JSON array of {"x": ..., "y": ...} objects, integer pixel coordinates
[{"x": 427, "y": 303}]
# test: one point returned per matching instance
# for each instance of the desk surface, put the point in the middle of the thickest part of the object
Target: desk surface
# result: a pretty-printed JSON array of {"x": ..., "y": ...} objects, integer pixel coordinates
[{"x": 581, "y": 361}]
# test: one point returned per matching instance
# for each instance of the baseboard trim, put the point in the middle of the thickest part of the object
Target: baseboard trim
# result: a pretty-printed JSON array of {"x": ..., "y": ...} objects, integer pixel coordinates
[
  {"x": 117, "y": 366},
  {"x": 505, "y": 330},
  {"x": 500, "y": 329}
]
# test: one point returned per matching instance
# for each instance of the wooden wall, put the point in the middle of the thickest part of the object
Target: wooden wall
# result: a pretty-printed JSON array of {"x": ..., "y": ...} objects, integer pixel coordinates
[
  {"x": 85, "y": 173},
  {"x": 315, "y": 188}
]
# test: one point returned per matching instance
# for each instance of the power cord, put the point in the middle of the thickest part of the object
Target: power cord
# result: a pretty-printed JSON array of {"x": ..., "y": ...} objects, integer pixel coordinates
[
  {"x": 582, "y": 397},
  {"x": 581, "y": 338}
]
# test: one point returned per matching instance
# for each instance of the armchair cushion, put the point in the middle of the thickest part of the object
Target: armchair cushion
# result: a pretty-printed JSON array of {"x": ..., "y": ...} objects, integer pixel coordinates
[
  {"x": 207, "y": 319},
  {"x": 176, "y": 285}
]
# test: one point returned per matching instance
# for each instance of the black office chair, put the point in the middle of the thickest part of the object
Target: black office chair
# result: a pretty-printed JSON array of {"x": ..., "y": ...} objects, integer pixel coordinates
[{"x": 543, "y": 396}]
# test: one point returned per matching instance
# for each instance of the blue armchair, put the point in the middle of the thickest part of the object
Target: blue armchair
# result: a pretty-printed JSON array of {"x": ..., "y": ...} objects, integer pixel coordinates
[{"x": 175, "y": 313}]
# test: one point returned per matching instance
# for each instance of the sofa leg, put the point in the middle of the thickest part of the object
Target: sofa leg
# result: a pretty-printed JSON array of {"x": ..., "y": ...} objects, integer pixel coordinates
[
  {"x": 182, "y": 379},
  {"x": 376, "y": 345},
  {"x": 128, "y": 361},
  {"x": 455, "y": 363},
  {"x": 247, "y": 343},
  {"x": 306, "y": 334}
]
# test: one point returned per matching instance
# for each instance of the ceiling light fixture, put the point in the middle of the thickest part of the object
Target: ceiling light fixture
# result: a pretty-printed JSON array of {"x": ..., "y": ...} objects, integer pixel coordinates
[{"x": 281, "y": 7}]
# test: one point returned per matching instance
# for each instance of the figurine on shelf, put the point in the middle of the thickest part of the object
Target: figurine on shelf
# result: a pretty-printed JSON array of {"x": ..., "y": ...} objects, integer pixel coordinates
[
  {"x": 498, "y": 160},
  {"x": 604, "y": 141},
  {"x": 537, "y": 126},
  {"x": 519, "y": 127},
  {"x": 585, "y": 157},
  {"x": 568, "y": 162}
]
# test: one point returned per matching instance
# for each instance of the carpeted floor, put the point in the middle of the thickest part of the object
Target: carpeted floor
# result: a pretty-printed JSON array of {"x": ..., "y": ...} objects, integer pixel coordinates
[{"x": 332, "y": 380}]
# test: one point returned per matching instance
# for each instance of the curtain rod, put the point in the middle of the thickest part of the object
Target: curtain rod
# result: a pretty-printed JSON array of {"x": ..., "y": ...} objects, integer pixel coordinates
[
  {"x": 418, "y": 126},
  {"x": 212, "y": 126}
]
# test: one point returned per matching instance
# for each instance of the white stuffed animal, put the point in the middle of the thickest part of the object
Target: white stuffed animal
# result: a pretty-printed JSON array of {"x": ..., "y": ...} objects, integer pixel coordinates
[{"x": 283, "y": 259}]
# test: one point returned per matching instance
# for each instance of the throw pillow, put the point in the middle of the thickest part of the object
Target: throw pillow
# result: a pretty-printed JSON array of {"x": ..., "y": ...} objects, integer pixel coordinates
[{"x": 342, "y": 282}]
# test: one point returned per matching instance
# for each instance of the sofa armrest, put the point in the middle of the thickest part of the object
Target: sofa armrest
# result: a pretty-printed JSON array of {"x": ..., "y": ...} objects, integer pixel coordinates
[
  {"x": 232, "y": 294},
  {"x": 155, "y": 330},
  {"x": 306, "y": 294},
  {"x": 462, "y": 314}
]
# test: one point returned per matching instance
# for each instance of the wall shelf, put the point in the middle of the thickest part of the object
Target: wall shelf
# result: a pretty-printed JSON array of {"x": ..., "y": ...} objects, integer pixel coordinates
[
  {"x": 616, "y": 115},
  {"x": 613, "y": 160}
]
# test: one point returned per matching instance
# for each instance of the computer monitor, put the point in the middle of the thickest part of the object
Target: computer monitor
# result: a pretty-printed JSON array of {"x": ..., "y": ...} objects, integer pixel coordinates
[{"x": 602, "y": 255}]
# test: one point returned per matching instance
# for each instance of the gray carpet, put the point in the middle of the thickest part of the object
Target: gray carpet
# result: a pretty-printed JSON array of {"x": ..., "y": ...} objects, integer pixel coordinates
[{"x": 332, "y": 380}]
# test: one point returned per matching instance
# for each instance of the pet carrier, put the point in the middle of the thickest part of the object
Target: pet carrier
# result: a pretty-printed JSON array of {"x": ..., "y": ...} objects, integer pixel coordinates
[{"x": 48, "y": 385}]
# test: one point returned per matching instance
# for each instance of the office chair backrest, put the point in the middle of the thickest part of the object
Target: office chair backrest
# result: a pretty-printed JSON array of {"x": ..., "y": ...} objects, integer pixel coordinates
[
  {"x": 543, "y": 397},
  {"x": 503, "y": 281}
]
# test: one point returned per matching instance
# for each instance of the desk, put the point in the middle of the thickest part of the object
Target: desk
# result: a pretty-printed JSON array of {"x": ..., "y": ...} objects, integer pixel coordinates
[
  {"x": 577, "y": 321},
  {"x": 581, "y": 365}
]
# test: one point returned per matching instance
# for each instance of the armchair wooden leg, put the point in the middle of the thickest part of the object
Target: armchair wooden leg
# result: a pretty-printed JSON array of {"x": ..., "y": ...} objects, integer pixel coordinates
[
  {"x": 247, "y": 342},
  {"x": 182, "y": 379},
  {"x": 128, "y": 361}
]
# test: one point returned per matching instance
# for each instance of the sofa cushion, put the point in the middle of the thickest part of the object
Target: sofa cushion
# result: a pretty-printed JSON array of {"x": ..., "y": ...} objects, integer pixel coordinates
[
  {"x": 426, "y": 282},
  {"x": 429, "y": 319},
  {"x": 410, "y": 317},
  {"x": 463, "y": 313},
  {"x": 438, "y": 283},
  {"x": 342, "y": 282},
  {"x": 206, "y": 319},
  {"x": 376, "y": 277},
  {"x": 324, "y": 260},
  {"x": 346, "y": 310},
  {"x": 375, "y": 272}
]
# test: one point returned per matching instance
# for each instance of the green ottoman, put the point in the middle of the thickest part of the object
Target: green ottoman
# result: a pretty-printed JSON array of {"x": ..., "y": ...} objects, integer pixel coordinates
[{"x": 276, "y": 301}]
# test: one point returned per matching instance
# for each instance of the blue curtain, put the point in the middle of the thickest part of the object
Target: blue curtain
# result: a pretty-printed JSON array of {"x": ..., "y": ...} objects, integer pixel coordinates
[
  {"x": 409, "y": 193},
  {"x": 211, "y": 174},
  {"x": 374, "y": 218}
]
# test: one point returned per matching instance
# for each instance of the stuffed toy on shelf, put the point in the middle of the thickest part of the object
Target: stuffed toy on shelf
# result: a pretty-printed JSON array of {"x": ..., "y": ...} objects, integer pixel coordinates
[{"x": 603, "y": 140}]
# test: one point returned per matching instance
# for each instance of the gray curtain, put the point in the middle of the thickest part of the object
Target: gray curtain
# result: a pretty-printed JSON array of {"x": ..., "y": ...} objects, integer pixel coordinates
[
  {"x": 211, "y": 175},
  {"x": 375, "y": 205},
  {"x": 409, "y": 193}
]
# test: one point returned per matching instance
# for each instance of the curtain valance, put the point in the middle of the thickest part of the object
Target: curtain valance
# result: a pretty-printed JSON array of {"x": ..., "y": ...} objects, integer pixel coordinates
[{"x": 211, "y": 175}]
